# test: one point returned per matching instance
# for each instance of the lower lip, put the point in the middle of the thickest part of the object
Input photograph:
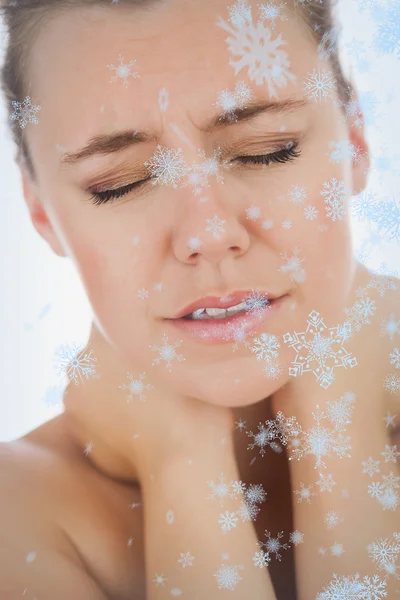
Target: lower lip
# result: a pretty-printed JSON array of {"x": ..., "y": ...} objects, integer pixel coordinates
[{"x": 215, "y": 331}]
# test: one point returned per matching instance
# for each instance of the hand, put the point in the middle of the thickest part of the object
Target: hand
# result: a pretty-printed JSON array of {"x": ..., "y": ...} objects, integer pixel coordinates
[{"x": 139, "y": 434}]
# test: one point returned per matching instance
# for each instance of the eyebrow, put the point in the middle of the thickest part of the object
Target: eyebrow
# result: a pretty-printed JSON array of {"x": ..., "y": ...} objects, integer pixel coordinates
[{"x": 117, "y": 141}]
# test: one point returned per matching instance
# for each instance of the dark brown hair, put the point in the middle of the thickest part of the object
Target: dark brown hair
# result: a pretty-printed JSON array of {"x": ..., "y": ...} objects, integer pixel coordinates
[{"x": 23, "y": 20}]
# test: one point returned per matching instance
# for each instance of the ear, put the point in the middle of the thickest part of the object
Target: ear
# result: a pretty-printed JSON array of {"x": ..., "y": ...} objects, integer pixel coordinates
[
  {"x": 38, "y": 215},
  {"x": 361, "y": 162}
]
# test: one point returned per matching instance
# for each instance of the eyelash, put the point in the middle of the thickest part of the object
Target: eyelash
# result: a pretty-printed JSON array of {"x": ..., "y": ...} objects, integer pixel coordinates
[{"x": 286, "y": 154}]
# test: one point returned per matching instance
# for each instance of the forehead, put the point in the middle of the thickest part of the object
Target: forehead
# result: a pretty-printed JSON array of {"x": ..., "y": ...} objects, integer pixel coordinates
[{"x": 174, "y": 45}]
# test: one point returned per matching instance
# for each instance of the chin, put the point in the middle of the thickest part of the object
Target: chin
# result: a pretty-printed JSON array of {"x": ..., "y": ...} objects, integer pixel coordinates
[{"x": 241, "y": 382}]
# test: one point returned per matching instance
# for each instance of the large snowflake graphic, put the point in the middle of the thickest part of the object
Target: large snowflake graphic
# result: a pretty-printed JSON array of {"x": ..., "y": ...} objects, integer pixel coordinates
[
  {"x": 259, "y": 53},
  {"x": 319, "y": 350}
]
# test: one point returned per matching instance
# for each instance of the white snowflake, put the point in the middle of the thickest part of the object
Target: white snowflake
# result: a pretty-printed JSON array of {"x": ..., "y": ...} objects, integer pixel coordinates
[
  {"x": 255, "y": 494},
  {"x": 360, "y": 313},
  {"x": 319, "y": 85},
  {"x": 392, "y": 384},
  {"x": 271, "y": 12},
  {"x": 395, "y": 358},
  {"x": 263, "y": 57},
  {"x": 336, "y": 549},
  {"x": 390, "y": 326},
  {"x": 228, "y": 521},
  {"x": 261, "y": 559},
  {"x": 293, "y": 266},
  {"x": 332, "y": 519},
  {"x": 167, "y": 352},
  {"x": 221, "y": 490},
  {"x": 227, "y": 577},
  {"x": 123, "y": 70},
  {"x": 266, "y": 347},
  {"x": 73, "y": 364},
  {"x": 186, "y": 559},
  {"x": 296, "y": 537},
  {"x": 230, "y": 102},
  {"x": 297, "y": 194},
  {"x": 54, "y": 396},
  {"x": 273, "y": 545},
  {"x": 319, "y": 353},
  {"x": 305, "y": 493},
  {"x": 136, "y": 387},
  {"x": 159, "y": 579},
  {"x": 167, "y": 166},
  {"x": 370, "y": 466},
  {"x": 24, "y": 112},
  {"x": 239, "y": 13},
  {"x": 390, "y": 453},
  {"x": 216, "y": 226},
  {"x": 325, "y": 483},
  {"x": 335, "y": 198},
  {"x": 352, "y": 588},
  {"x": 253, "y": 213},
  {"x": 310, "y": 213},
  {"x": 322, "y": 441}
]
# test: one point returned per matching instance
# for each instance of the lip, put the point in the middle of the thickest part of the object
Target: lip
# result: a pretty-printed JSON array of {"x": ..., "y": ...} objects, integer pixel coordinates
[
  {"x": 231, "y": 299},
  {"x": 233, "y": 329}
]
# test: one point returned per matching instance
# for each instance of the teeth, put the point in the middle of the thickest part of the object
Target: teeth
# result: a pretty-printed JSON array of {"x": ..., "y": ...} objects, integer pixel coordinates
[{"x": 218, "y": 313}]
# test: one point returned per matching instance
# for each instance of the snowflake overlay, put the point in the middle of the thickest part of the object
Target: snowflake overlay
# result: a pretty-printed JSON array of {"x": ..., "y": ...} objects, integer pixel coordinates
[
  {"x": 263, "y": 57},
  {"x": 318, "y": 353},
  {"x": 136, "y": 387},
  {"x": 167, "y": 352},
  {"x": 24, "y": 112},
  {"x": 71, "y": 364}
]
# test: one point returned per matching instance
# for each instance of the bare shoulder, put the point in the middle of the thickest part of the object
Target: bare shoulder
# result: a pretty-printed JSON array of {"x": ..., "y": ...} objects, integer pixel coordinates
[
  {"x": 63, "y": 527},
  {"x": 37, "y": 559}
]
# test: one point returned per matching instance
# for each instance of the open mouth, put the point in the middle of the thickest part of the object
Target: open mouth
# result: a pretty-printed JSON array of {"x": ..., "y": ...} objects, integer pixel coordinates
[{"x": 219, "y": 314}]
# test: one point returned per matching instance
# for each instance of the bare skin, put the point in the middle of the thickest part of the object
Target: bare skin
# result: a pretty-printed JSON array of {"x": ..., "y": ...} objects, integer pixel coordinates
[
  {"x": 193, "y": 407},
  {"x": 103, "y": 518}
]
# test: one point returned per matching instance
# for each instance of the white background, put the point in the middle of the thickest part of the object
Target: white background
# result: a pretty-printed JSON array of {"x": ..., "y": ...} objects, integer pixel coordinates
[{"x": 43, "y": 303}]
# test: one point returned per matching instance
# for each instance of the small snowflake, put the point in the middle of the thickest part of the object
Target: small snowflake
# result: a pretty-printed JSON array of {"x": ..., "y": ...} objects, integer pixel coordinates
[
  {"x": 123, "y": 71},
  {"x": 159, "y": 579},
  {"x": 167, "y": 352},
  {"x": 24, "y": 112},
  {"x": 305, "y": 493},
  {"x": 227, "y": 577},
  {"x": 336, "y": 549},
  {"x": 228, "y": 521},
  {"x": 296, "y": 537},
  {"x": 319, "y": 86},
  {"x": 136, "y": 387},
  {"x": 390, "y": 453},
  {"x": 253, "y": 213},
  {"x": 310, "y": 213},
  {"x": 392, "y": 384},
  {"x": 332, "y": 519},
  {"x": 186, "y": 560},
  {"x": 221, "y": 490},
  {"x": 370, "y": 466},
  {"x": 167, "y": 166},
  {"x": 216, "y": 226},
  {"x": 274, "y": 545}
]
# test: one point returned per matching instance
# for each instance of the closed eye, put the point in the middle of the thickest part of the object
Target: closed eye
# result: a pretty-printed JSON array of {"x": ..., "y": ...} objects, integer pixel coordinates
[{"x": 289, "y": 152}]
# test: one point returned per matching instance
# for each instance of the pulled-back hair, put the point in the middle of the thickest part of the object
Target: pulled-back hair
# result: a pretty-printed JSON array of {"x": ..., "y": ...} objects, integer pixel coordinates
[{"x": 24, "y": 19}]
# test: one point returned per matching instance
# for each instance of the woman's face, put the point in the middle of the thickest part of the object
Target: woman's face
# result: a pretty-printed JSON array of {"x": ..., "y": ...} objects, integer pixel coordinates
[{"x": 144, "y": 256}]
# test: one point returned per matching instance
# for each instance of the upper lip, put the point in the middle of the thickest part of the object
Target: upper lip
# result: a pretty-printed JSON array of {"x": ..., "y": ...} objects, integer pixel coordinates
[{"x": 227, "y": 301}]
